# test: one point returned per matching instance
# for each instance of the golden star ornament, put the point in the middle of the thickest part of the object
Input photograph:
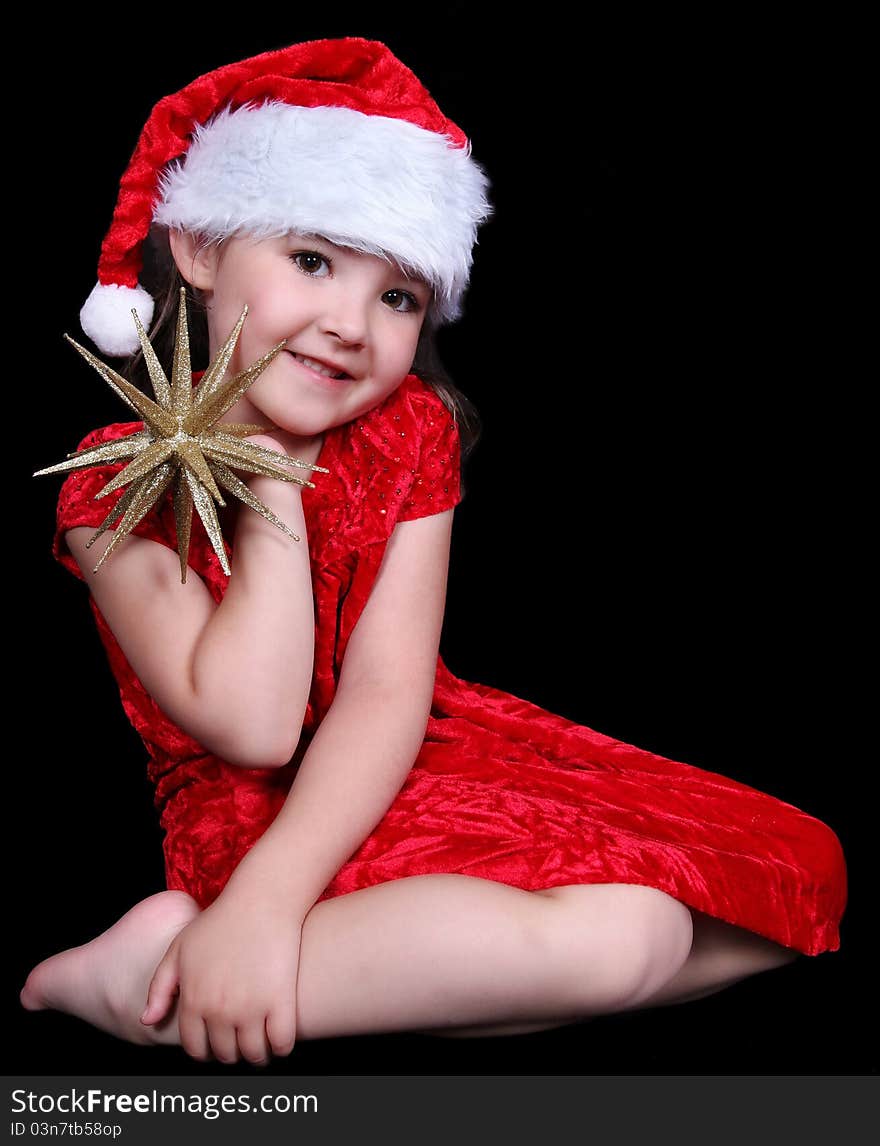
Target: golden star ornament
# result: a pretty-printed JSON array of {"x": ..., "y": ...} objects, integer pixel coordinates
[{"x": 184, "y": 442}]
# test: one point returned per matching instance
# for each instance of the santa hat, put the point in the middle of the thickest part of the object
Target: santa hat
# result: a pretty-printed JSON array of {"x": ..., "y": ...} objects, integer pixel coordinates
[{"x": 330, "y": 137}]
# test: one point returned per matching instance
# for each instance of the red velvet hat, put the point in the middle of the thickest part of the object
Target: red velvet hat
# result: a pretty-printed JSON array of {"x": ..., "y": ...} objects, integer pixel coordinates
[{"x": 329, "y": 137}]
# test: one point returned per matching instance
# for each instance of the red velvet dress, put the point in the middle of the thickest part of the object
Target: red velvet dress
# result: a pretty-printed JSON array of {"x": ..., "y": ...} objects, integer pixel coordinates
[{"x": 501, "y": 789}]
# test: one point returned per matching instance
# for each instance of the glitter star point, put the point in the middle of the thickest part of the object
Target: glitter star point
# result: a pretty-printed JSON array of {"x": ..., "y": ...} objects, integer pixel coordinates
[{"x": 184, "y": 445}]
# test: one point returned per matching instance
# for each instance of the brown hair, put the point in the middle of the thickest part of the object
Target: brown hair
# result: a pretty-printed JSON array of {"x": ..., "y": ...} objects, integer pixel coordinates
[{"x": 163, "y": 280}]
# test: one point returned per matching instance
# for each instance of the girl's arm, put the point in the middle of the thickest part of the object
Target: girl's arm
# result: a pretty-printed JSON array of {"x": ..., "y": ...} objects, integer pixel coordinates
[
  {"x": 355, "y": 765},
  {"x": 366, "y": 744},
  {"x": 235, "y": 676}
]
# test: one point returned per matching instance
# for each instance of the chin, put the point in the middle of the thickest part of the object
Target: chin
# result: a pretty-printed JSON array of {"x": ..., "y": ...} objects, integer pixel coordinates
[{"x": 306, "y": 430}]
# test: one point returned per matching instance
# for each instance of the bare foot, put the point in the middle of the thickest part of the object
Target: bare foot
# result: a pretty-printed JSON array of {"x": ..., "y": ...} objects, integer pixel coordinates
[{"x": 105, "y": 981}]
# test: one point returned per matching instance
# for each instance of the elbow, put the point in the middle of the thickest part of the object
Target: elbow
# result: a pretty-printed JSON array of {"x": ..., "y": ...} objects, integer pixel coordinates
[
  {"x": 277, "y": 755},
  {"x": 265, "y": 758},
  {"x": 246, "y": 733},
  {"x": 265, "y": 752}
]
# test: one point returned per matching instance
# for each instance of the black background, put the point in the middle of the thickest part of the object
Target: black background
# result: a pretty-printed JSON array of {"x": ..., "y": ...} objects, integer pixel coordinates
[{"x": 658, "y": 537}]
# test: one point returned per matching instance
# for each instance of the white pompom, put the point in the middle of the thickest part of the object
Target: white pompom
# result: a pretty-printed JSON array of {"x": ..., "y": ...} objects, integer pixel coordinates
[{"x": 106, "y": 318}]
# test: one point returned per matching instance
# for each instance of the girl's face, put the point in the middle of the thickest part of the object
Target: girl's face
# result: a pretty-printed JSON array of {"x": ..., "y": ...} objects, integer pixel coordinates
[{"x": 346, "y": 312}]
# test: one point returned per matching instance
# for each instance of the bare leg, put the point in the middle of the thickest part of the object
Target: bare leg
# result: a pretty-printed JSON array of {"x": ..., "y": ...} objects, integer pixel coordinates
[
  {"x": 721, "y": 955},
  {"x": 435, "y": 951},
  {"x": 457, "y": 951}
]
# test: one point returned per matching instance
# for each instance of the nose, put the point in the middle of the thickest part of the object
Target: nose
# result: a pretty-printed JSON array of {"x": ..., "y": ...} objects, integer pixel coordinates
[{"x": 345, "y": 316}]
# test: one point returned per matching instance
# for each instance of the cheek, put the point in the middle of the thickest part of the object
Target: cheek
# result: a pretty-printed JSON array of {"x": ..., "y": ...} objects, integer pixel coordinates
[
  {"x": 263, "y": 328},
  {"x": 402, "y": 349},
  {"x": 259, "y": 292},
  {"x": 269, "y": 309}
]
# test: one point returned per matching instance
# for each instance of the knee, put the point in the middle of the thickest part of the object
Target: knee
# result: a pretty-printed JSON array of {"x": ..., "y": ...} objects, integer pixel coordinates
[
  {"x": 657, "y": 942},
  {"x": 650, "y": 938}
]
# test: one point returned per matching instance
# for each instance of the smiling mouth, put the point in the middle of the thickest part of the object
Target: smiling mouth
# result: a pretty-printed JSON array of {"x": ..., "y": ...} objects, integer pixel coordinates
[{"x": 320, "y": 368}]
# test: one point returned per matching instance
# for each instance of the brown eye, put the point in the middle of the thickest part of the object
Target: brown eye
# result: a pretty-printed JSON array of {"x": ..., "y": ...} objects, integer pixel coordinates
[
  {"x": 401, "y": 300},
  {"x": 309, "y": 262}
]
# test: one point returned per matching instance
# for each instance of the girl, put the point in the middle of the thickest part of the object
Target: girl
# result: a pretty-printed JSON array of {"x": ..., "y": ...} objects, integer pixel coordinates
[{"x": 356, "y": 840}]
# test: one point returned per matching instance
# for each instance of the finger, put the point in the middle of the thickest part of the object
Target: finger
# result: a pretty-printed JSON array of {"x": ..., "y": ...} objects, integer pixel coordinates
[
  {"x": 281, "y": 1028},
  {"x": 163, "y": 988},
  {"x": 193, "y": 1034},
  {"x": 253, "y": 1043},
  {"x": 224, "y": 1044}
]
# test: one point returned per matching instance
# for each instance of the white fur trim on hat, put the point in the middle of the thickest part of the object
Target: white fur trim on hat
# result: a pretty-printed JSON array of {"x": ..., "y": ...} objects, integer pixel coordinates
[
  {"x": 106, "y": 317},
  {"x": 379, "y": 185}
]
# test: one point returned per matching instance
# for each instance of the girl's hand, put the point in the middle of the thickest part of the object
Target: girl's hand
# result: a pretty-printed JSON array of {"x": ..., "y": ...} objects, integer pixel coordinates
[
  {"x": 267, "y": 441},
  {"x": 234, "y": 968},
  {"x": 270, "y": 443}
]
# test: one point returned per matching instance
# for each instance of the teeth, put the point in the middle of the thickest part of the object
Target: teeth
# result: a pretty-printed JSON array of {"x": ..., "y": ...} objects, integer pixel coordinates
[{"x": 318, "y": 367}]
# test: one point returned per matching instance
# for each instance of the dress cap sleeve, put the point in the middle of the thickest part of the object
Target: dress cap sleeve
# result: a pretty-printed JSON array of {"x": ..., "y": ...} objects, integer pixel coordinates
[
  {"x": 77, "y": 503},
  {"x": 436, "y": 482}
]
